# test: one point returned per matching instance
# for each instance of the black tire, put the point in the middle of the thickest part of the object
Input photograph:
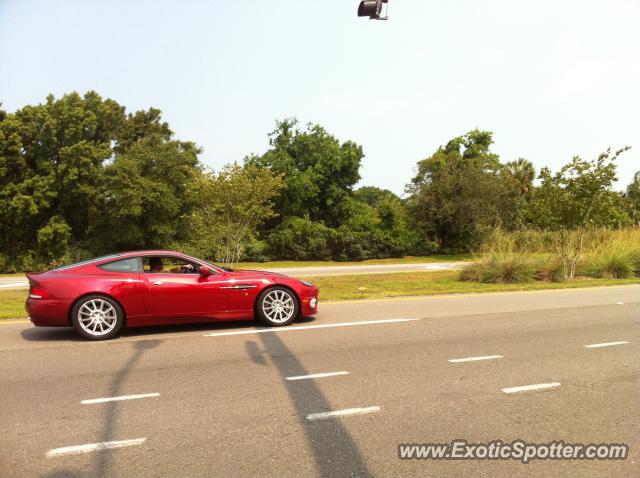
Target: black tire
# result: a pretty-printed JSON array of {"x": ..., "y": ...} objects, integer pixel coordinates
[
  {"x": 108, "y": 314},
  {"x": 272, "y": 296}
]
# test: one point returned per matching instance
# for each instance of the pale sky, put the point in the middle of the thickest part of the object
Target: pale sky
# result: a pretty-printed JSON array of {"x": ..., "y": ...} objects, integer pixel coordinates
[{"x": 551, "y": 79}]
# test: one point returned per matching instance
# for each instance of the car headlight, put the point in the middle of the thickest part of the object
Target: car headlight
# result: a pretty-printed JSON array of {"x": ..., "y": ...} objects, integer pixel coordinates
[{"x": 308, "y": 284}]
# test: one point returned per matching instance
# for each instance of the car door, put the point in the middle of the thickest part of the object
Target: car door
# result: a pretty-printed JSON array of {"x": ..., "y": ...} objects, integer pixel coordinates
[{"x": 177, "y": 291}]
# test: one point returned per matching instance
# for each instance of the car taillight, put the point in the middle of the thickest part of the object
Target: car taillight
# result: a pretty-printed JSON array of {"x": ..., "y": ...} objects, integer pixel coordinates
[{"x": 37, "y": 292}]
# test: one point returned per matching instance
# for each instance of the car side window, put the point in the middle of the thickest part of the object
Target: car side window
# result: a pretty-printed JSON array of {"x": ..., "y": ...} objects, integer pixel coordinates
[
  {"x": 168, "y": 265},
  {"x": 125, "y": 265}
]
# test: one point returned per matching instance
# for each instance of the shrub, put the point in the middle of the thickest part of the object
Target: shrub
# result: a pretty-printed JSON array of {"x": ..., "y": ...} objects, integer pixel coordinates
[
  {"x": 300, "y": 239},
  {"x": 550, "y": 269},
  {"x": 4, "y": 263},
  {"x": 498, "y": 268},
  {"x": 611, "y": 264}
]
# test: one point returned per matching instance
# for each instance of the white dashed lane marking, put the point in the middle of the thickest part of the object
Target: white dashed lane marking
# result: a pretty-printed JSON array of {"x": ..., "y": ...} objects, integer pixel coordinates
[
  {"x": 317, "y": 375},
  {"x": 606, "y": 344},
  {"x": 342, "y": 413},
  {"x": 530, "y": 388},
  {"x": 476, "y": 359},
  {"x": 117, "y": 399},
  {"x": 78, "y": 449}
]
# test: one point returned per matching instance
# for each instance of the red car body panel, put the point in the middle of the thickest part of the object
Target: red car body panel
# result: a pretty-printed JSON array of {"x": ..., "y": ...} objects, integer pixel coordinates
[{"x": 158, "y": 298}]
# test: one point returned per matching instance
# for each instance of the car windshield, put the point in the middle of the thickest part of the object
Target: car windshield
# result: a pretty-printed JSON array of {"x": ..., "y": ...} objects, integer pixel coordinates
[{"x": 226, "y": 269}]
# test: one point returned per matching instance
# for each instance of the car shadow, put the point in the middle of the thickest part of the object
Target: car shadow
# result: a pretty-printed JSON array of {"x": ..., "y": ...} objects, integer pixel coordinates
[
  {"x": 334, "y": 450},
  {"x": 43, "y": 334}
]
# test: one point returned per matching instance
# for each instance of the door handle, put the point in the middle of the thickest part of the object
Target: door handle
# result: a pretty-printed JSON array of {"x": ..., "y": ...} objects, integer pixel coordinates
[{"x": 157, "y": 282}]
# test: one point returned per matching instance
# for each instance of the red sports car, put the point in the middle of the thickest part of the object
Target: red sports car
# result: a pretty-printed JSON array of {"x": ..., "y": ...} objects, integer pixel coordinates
[{"x": 100, "y": 296}]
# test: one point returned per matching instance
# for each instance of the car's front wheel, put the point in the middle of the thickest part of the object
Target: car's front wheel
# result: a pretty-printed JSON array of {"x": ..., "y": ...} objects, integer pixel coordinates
[
  {"x": 97, "y": 317},
  {"x": 277, "y": 306}
]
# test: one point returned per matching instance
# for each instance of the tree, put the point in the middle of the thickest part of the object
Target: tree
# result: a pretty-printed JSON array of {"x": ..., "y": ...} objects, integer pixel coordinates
[
  {"x": 522, "y": 173},
  {"x": 459, "y": 193},
  {"x": 80, "y": 176},
  {"x": 318, "y": 170},
  {"x": 230, "y": 205},
  {"x": 633, "y": 197},
  {"x": 52, "y": 158},
  {"x": 577, "y": 197},
  {"x": 145, "y": 195}
]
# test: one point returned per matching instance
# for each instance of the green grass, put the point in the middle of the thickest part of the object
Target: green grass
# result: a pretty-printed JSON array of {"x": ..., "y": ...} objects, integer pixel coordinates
[
  {"x": 370, "y": 262},
  {"x": 12, "y": 304},
  {"x": 431, "y": 283}
]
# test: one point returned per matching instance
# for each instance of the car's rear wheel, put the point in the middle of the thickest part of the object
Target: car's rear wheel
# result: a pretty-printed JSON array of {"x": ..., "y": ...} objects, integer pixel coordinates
[
  {"x": 97, "y": 317},
  {"x": 277, "y": 306}
]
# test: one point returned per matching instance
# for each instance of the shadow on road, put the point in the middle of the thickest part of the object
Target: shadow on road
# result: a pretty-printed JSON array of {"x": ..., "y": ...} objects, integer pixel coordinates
[
  {"x": 102, "y": 465},
  {"x": 111, "y": 413},
  {"x": 43, "y": 334},
  {"x": 335, "y": 452}
]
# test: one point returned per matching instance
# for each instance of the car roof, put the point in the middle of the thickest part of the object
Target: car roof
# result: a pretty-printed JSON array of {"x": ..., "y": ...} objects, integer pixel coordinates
[{"x": 152, "y": 252}]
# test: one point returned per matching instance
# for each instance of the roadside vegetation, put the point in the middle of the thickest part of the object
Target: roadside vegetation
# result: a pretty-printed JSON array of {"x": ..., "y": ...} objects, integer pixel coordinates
[
  {"x": 369, "y": 262},
  {"x": 80, "y": 177},
  {"x": 433, "y": 283},
  {"x": 528, "y": 256}
]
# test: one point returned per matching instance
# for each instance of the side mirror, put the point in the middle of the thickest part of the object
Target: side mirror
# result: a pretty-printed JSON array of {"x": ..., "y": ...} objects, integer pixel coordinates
[{"x": 204, "y": 271}]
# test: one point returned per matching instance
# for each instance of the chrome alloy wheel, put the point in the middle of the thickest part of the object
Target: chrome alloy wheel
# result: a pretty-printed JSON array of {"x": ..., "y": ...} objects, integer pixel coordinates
[
  {"x": 278, "y": 306},
  {"x": 97, "y": 317}
]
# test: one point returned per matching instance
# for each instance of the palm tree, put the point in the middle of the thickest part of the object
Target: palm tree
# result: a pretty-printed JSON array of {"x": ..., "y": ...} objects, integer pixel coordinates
[{"x": 523, "y": 173}]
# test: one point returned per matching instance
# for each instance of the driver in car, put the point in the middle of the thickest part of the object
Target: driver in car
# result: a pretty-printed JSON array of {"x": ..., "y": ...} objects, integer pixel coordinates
[{"x": 157, "y": 266}]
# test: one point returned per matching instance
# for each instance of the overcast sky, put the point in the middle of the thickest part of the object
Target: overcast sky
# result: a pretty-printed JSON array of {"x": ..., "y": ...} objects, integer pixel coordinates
[{"x": 551, "y": 79}]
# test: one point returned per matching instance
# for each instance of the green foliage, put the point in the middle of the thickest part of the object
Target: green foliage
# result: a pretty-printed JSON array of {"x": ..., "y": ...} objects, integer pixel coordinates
[
  {"x": 146, "y": 192},
  {"x": 505, "y": 268},
  {"x": 612, "y": 264},
  {"x": 229, "y": 206},
  {"x": 79, "y": 175},
  {"x": 609, "y": 254},
  {"x": 301, "y": 239},
  {"x": 633, "y": 199},
  {"x": 318, "y": 170},
  {"x": 577, "y": 197},
  {"x": 53, "y": 238},
  {"x": 460, "y": 193},
  {"x": 521, "y": 173}
]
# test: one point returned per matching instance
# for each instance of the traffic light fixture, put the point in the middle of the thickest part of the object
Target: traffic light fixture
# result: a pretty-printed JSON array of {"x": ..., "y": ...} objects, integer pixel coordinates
[{"x": 372, "y": 9}]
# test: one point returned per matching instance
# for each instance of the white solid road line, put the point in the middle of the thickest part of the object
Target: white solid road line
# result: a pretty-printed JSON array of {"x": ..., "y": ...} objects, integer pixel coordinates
[
  {"x": 292, "y": 328},
  {"x": 75, "y": 450},
  {"x": 607, "y": 344},
  {"x": 476, "y": 359},
  {"x": 342, "y": 413},
  {"x": 318, "y": 375},
  {"x": 117, "y": 399},
  {"x": 529, "y": 388}
]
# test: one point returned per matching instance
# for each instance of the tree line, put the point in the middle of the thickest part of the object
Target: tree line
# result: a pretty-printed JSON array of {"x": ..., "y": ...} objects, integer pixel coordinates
[{"x": 80, "y": 176}]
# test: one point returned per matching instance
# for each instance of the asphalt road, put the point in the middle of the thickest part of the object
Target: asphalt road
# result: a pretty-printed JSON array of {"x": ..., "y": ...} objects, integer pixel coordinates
[
  {"x": 217, "y": 400},
  {"x": 20, "y": 282}
]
